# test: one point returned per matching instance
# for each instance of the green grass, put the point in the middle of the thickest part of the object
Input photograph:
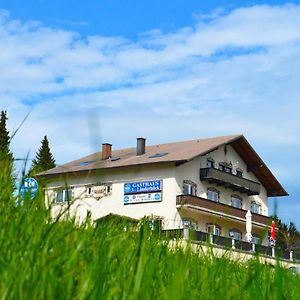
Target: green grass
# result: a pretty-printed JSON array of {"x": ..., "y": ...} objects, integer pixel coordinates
[{"x": 49, "y": 259}]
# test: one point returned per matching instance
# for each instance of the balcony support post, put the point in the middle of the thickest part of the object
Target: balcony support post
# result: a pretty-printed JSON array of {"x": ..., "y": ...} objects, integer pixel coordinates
[
  {"x": 233, "y": 243},
  {"x": 273, "y": 251},
  {"x": 186, "y": 233}
]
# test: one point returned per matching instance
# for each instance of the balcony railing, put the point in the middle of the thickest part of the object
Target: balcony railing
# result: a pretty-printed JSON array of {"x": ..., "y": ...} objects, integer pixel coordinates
[
  {"x": 226, "y": 242},
  {"x": 220, "y": 208},
  {"x": 236, "y": 183}
]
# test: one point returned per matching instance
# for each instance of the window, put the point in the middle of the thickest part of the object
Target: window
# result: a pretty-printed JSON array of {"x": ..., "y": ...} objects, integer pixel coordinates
[
  {"x": 213, "y": 229},
  {"x": 101, "y": 190},
  {"x": 221, "y": 166},
  {"x": 213, "y": 194},
  {"x": 236, "y": 201},
  {"x": 189, "y": 188},
  {"x": 224, "y": 166},
  {"x": 63, "y": 196},
  {"x": 255, "y": 207},
  {"x": 235, "y": 234},
  {"x": 228, "y": 169},
  {"x": 189, "y": 223},
  {"x": 155, "y": 225},
  {"x": 210, "y": 163},
  {"x": 89, "y": 191},
  {"x": 239, "y": 172},
  {"x": 255, "y": 239}
]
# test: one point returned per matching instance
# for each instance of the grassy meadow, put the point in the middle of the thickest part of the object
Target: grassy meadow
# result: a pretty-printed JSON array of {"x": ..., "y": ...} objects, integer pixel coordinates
[{"x": 43, "y": 258}]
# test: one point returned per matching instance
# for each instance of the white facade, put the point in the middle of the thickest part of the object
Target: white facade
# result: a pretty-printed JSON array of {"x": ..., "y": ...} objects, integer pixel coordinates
[{"x": 112, "y": 182}]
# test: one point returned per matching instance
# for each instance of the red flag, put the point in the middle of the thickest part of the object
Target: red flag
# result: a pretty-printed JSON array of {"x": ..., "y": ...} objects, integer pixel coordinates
[{"x": 273, "y": 231}]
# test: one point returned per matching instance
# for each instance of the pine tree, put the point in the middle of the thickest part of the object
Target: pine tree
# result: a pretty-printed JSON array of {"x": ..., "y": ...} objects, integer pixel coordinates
[
  {"x": 7, "y": 181},
  {"x": 44, "y": 159}
]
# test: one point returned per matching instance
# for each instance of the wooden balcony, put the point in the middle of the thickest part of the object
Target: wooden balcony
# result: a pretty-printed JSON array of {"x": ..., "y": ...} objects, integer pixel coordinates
[
  {"x": 216, "y": 208},
  {"x": 234, "y": 182}
]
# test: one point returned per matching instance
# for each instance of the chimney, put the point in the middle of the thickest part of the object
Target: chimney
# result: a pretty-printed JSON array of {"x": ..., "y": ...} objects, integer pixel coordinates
[
  {"x": 140, "y": 146},
  {"x": 106, "y": 151}
]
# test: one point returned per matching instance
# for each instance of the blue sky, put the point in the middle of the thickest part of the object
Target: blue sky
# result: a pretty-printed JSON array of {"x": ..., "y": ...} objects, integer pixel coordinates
[{"x": 109, "y": 71}]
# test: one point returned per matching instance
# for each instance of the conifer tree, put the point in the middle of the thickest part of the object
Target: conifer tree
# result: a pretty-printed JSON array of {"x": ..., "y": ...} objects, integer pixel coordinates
[
  {"x": 44, "y": 159},
  {"x": 7, "y": 181}
]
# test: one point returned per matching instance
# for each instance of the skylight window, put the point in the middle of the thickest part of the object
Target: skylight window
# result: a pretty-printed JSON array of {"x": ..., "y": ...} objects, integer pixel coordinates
[
  {"x": 161, "y": 154},
  {"x": 85, "y": 163},
  {"x": 115, "y": 158}
]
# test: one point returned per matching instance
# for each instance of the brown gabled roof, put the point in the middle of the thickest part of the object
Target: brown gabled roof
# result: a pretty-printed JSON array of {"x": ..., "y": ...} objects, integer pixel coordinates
[{"x": 176, "y": 152}]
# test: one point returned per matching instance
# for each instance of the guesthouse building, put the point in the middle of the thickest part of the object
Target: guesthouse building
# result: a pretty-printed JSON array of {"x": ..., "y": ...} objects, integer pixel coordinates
[{"x": 206, "y": 184}]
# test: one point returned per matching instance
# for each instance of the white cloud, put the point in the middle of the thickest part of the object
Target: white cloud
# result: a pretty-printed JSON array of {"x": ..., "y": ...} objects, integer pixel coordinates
[{"x": 228, "y": 73}]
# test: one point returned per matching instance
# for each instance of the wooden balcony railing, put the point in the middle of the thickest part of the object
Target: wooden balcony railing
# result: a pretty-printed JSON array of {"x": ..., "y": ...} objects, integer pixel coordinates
[
  {"x": 220, "y": 208},
  {"x": 236, "y": 183}
]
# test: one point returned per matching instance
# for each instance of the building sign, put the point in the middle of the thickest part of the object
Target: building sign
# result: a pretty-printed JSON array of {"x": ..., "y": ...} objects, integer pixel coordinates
[
  {"x": 29, "y": 187},
  {"x": 140, "y": 192}
]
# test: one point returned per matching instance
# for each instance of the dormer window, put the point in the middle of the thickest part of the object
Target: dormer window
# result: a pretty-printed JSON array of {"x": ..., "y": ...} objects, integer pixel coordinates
[{"x": 210, "y": 163}]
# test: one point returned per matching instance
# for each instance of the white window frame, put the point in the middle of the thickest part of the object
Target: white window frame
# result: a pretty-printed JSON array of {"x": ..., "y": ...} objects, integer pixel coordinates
[
  {"x": 213, "y": 191},
  {"x": 255, "y": 240},
  {"x": 64, "y": 196},
  {"x": 236, "y": 198},
  {"x": 89, "y": 191},
  {"x": 213, "y": 229},
  {"x": 235, "y": 234},
  {"x": 253, "y": 207},
  {"x": 191, "y": 188},
  {"x": 210, "y": 163}
]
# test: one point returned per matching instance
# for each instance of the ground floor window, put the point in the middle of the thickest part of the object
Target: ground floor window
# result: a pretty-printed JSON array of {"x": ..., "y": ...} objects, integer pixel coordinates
[
  {"x": 155, "y": 225},
  {"x": 63, "y": 196},
  {"x": 255, "y": 239},
  {"x": 213, "y": 229},
  {"x": 235, "y": 234},
  {"x": 189, "y": 223}
]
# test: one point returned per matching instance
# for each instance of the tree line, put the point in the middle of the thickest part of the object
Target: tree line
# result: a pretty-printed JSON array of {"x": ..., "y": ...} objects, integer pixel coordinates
[{"x": 43, "y": 160}]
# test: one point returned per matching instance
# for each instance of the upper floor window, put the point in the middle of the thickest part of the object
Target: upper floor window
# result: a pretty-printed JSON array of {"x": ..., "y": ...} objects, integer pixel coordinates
[
  {"x": 236, "y": 201},
  {"x": 255, "y": 207},
  {"x": 213, "y": 229},
  {"x": 63, "y": 196},
  {"x": 213, "y": 194},
  {"x": 189, "y": 188},
  {"x": 239, "y": 172},
  {"x": 235, "y": 234},
  {"x": 223, "y": 166},
  {"x": 210, "y": 163}
]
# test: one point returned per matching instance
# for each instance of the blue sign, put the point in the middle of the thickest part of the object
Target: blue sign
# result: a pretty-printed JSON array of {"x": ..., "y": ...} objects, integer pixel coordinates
[
  {"x": 144, "y": 186},
  {"x": 30, "y": 187},
  {"x": 142, "y": 198}
]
